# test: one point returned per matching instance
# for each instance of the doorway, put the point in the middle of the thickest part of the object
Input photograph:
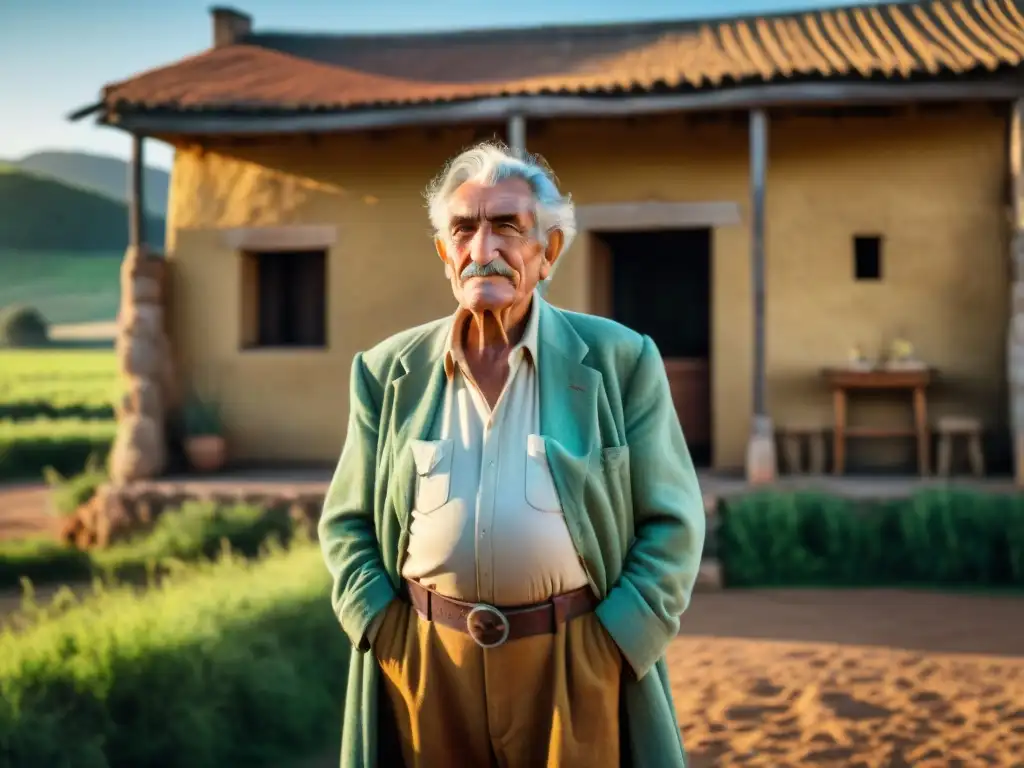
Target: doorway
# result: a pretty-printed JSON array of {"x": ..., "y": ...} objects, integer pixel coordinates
[{"x": 659, "y": 283}]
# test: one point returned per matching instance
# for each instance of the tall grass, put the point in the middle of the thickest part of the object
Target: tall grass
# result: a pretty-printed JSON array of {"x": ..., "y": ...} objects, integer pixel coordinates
[{"x": 231, "y": 664}]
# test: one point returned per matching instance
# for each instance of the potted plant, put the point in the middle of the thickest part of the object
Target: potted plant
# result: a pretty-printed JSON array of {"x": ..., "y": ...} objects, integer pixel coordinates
[{"x": 205, "y": 446}]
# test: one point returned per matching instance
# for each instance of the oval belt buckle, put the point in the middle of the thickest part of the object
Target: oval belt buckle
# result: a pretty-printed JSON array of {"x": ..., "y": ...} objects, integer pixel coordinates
[{"x": 488, "y": 626}]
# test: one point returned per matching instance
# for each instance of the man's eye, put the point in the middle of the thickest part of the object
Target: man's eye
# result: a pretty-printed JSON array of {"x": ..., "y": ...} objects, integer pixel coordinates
[{"x": 506, "y": 228}]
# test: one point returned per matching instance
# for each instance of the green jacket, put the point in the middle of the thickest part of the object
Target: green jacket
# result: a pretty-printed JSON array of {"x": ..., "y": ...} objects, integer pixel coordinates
[{"x": 622, "y": 471}]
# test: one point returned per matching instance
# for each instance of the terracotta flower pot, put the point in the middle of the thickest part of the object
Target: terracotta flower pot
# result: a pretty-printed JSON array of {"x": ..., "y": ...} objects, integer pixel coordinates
[{"x": 206, "y": 453}]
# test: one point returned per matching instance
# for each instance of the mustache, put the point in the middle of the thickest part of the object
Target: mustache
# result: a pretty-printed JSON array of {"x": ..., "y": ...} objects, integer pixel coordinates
[{"x": 495, "y": 268}]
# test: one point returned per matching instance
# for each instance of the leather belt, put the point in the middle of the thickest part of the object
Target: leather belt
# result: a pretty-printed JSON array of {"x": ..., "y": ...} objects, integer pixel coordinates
[{"x": 490, "y": 626}]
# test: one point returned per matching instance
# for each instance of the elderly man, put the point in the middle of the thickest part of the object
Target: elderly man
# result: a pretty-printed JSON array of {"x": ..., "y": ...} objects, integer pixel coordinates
[{"x": 514, "y": 527}]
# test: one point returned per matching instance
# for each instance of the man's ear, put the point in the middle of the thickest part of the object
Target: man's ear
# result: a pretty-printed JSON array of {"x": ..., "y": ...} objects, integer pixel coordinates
[
  {"x": 552, "y": 252},
  {"x": 442, "y": 253}
]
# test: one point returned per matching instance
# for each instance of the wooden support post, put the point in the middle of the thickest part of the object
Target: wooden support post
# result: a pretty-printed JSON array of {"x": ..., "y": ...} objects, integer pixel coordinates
[
  {"x": 136, "y": 195},
  {"x": 1015, "y": 335},
  {"x": 762, "y": 465},
  {"x": 517, "y": 134}
]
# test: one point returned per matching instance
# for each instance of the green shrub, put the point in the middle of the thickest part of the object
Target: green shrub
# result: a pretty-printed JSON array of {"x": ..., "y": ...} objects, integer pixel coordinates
[
  {"x": 935, "y": 538},
  {"x": 195, "y": 532},
  {"x": 231, "y": 664},
  {"x": 22, "y": 326},
  {"x": 70, "y": 493}
]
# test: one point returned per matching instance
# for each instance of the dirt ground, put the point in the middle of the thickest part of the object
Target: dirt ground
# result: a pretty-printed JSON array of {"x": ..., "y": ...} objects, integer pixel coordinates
[{"x": 23, "y": 511}]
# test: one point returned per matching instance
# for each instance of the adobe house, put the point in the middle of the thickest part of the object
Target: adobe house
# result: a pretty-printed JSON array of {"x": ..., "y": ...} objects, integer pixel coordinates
[{"x": 759, "y": 194}]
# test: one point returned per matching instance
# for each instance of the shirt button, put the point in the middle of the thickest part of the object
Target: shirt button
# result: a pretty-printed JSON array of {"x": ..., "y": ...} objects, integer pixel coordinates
[{"x": 490, "y": 463}]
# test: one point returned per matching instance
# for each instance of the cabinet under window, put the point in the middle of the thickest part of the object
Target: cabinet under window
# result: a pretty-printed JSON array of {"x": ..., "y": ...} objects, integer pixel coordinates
[{"x": 284, "y": 299}]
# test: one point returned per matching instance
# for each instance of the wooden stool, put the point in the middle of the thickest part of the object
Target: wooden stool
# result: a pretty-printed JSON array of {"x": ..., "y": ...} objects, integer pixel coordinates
[
  {"x": 793, "y": 438},
  {"x": 951, "y": 427}
]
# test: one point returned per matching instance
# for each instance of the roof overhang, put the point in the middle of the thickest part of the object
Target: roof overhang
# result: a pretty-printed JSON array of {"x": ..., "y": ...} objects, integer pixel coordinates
[{"x": 241, "y": 123}]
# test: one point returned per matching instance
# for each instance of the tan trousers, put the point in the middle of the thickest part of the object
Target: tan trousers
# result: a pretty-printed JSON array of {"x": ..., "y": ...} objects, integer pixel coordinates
[{"x": 548, "y": 700}]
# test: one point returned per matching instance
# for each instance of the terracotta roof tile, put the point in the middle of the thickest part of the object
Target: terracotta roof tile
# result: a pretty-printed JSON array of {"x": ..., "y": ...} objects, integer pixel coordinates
[{"x": 320, "y": 72}]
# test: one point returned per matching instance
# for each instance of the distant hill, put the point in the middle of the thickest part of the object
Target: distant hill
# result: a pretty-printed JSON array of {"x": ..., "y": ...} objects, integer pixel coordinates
[
  {"x": 41, "y": 214},
  {"x": 99, "y": 173},
  {"x": 66, "y": 286}
]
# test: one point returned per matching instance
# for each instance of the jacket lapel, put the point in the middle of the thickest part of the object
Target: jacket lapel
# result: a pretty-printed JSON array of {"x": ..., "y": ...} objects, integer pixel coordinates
[
  {"x": 569, "y": 396},
  {"x": 418, "y": 395}
]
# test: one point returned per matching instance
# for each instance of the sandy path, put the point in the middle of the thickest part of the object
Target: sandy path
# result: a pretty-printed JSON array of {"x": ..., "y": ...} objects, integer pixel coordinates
[
  {"x": 766, "y": 703},
  {"x": 851, "y": 678}
]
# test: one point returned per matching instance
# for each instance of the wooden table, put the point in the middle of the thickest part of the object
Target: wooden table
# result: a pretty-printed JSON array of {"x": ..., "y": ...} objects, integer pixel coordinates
[{"x": 844, "y": 380}]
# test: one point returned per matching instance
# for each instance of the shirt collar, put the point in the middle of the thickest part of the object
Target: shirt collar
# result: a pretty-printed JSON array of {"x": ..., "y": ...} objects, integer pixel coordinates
[{"x": 454, "y": 353}]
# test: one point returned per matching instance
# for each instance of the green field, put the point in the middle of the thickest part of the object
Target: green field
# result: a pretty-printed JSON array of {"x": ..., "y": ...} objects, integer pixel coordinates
[
  {"x": 65, "y": 287},
  {"x": 55, "y": 409},
  {"x": 37, "y": 382},
  {"x": 57, "y": 430}
]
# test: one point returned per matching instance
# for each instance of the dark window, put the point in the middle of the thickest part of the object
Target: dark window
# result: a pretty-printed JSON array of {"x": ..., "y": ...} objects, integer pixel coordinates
[
  {"x": 288, "y": 295},
  {"x": 867, "y": 257}
]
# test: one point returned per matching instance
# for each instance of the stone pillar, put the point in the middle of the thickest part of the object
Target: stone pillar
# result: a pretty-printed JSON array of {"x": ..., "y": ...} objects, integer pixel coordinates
[{"x": 143, "y": 356}]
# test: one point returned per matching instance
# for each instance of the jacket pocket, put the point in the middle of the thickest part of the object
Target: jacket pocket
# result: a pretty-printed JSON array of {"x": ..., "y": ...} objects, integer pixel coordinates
[
  {"x": 615, "y": 463},
  {"x": 433, "y": 460},
  {"x": 541, "y": 493}
]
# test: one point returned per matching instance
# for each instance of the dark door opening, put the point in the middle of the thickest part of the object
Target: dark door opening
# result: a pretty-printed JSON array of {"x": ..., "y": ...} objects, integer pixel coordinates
[{"x": 659, "y": 283}]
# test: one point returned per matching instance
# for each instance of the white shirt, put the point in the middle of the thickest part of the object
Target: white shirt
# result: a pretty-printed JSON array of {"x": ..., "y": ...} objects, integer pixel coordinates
[{"x": 487, "y": 524}]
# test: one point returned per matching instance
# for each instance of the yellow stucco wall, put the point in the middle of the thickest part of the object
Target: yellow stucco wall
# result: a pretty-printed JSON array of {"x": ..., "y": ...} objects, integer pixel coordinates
[{"x": 931, "y": 185}]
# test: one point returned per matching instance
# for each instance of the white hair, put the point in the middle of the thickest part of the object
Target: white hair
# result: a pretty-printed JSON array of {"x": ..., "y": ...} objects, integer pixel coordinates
[{"x": 490, "y": 162}]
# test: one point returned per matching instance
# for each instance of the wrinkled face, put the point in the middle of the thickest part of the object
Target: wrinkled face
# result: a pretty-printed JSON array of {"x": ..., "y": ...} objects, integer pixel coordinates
[{"x": 493, "y": 253}]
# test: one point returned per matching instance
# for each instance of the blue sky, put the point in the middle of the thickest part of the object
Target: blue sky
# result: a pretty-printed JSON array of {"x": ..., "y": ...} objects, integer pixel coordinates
[{"x": 56, "y": 54}]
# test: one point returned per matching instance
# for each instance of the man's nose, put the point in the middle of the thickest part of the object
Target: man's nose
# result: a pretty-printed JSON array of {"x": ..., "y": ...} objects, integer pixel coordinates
[{"x": 484, "y": 248}]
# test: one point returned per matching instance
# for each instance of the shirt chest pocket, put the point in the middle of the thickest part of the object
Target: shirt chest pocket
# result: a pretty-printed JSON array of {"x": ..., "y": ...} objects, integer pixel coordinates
[
  {"x": 541, "y": 493},
  {"x": 433, "y": 460}
]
